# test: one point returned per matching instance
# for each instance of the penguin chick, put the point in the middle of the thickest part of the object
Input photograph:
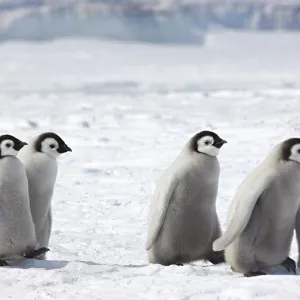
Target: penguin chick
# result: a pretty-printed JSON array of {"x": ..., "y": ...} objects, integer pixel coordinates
[
  {"x": 17, "y": 234},
  {"x": 183, "y": 221},
  {"x": 262, "y": 215},
  {"x": 39, "y": 160}
]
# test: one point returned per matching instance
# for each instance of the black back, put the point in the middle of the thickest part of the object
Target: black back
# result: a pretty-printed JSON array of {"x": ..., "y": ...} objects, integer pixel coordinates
[{"x": 286, "y": 147}]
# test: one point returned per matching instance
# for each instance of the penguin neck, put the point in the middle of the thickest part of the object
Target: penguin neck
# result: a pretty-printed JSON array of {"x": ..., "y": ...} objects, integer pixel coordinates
[
  {"x": 46, "y": 166},
  {"x": 49, "y": 155},
  {"x": 274, "y": 156}
]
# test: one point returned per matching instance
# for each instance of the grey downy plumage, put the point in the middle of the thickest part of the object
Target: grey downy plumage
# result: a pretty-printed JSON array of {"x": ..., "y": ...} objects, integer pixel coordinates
[
  {"x": 183, "y": 221},
  {"x": 17, "y": 233},
  {"x": 39, "y": 160},
  {"x": 262, "y": 215}
]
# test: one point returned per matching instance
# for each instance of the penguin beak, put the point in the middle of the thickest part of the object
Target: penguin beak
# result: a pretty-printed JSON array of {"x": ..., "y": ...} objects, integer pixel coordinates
[
  {"x": 64, "y": 148},
  {"x": 68, "y": 149},
  {"x": 20, "y": 145},
  {"x": 220, "y": 143}
]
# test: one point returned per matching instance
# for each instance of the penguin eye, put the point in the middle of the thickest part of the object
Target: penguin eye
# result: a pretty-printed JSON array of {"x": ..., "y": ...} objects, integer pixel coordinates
[
  {"x": 8, "y": 145},
  {"x": 52, "y": 146},
  {"x": 298, "y": 151},
  {"x": 207, "y": 143}
]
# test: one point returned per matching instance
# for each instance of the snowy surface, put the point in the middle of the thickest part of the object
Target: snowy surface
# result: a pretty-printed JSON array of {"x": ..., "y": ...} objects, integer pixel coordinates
[{"x": 126, "y": 110}]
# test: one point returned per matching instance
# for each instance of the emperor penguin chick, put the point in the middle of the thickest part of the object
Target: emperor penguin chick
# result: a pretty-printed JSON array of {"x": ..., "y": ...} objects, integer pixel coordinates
[
  {"x": 263, "y": 213},
  {"x": 39, "y": 160},
  {"x": 17, "y": 234},
  {"x": 183, "y": 221}
]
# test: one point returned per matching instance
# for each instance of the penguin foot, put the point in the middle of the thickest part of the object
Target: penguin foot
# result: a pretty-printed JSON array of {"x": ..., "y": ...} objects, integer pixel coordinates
[
  {"x": 290, "y": 265},
  {"x": 177, "y": 261},
  {"x": 216, "y": 257},
  {"x": 36, "y": 253},
  {"x": 254, "y": 273},
  {"x": 3, "y": 263},
  {"x": 42, "y": 257}
]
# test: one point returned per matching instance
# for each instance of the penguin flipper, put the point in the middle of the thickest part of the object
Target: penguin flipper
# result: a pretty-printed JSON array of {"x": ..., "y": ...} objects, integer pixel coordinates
[
  {"x": 159, "y": 207},
  {"x": 243, "y": 204},
  {"x": 43, "y": 235}
]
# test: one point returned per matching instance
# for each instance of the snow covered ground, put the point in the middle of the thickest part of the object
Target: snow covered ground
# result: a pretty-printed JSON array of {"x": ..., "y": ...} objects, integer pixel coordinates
[{"x": 126, "y": 110}]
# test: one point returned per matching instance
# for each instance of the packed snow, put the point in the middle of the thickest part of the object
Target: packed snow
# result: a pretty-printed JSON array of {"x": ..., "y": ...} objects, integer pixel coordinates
[{"x": 126, "y": 110}]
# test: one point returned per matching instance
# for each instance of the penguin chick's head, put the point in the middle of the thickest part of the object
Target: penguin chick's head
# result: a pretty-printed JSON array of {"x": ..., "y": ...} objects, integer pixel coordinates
[
  {"x": 51, "y": 143},
  {"x": 291, "y": 150},
  {"x": 10, "y": 145},
  {"x": 207, "y": 142}
]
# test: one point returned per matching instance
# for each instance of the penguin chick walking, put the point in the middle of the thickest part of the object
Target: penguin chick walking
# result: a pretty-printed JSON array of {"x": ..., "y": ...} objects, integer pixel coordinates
[
  {"x": 39, "y": 160},
  {"x": 183, "y": 221},
  {"x": 262, "y": 215},
  {"x": 17, "y": 234}
]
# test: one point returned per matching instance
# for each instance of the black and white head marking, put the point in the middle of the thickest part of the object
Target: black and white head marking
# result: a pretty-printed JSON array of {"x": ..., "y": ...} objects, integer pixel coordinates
[
  {"x": 291, "y": 150},
  {"x": 207, "y": 142},
  {"x": 10, "y": 145},
  {"x": 51, "y": 143}
]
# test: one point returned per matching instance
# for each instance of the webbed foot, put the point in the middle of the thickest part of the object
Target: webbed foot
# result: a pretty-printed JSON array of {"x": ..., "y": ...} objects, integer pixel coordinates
[
  {"x": 254, "y": 273},
  {"x": 36, "y": 253},
  {"x": 216, "y": 257},
  {"x": 288, "y": 267},
  {"x": 3, "y": 263}
]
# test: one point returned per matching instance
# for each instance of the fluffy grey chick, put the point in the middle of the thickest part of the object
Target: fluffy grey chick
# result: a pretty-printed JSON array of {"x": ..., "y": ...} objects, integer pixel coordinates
[
  {"x": 17, "y": 234},
  {"x": 39, "y": 160},
  {"x": 263, "y": 213},
  {"x": 183, "y": 221}
]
